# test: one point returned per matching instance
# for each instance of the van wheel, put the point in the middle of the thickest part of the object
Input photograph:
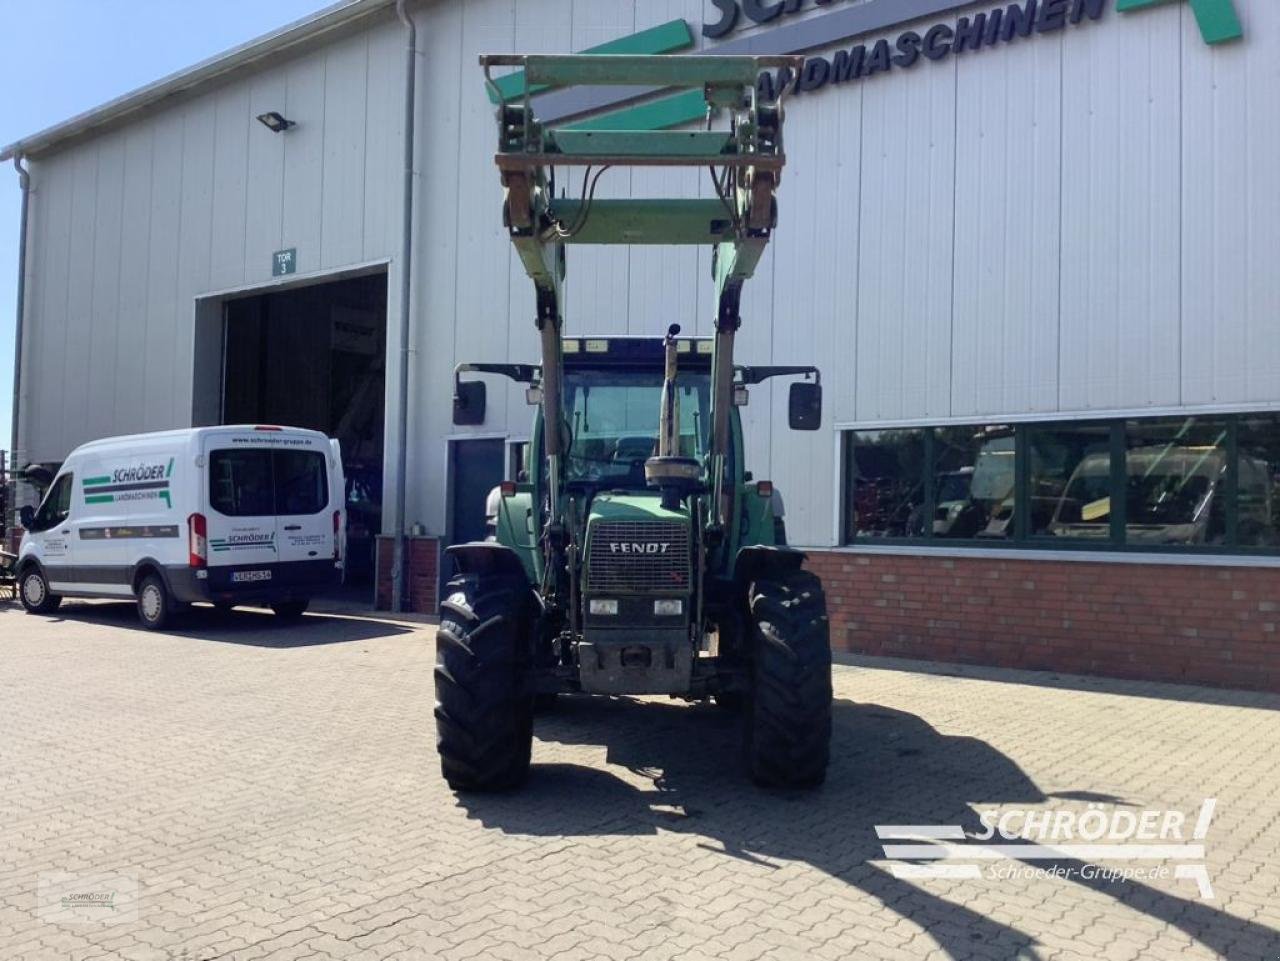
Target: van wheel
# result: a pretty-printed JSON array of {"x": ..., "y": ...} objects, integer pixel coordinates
[
  {"x": 290, "y": 610},
  {"x": 34, "y": 591},
  {"x": 155, "y": 606}
]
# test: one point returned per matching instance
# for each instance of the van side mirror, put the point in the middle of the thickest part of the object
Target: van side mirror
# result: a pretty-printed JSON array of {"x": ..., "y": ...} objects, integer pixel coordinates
[
  {"x": 804, "y": 406},
  {"x": 28, "y": 517},
  {"x": 468, "y": 403}
]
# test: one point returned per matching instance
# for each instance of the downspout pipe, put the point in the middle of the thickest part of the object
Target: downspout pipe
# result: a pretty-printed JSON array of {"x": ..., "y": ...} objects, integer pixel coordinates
[
  {"x": 24, "y": 182},
  {"x": 406, "y": 277}
]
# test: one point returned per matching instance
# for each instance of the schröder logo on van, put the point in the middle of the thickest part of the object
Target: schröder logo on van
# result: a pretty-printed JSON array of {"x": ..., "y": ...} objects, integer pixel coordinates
[
  {"x": 134, "y": 483},
  {"x": 244, "y": 541}
]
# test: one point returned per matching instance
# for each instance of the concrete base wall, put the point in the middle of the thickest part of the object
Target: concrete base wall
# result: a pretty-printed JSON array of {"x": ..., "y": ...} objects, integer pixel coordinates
[
  {"x": 1207, "y": 625},
  {"x": 422, "y": 555}
]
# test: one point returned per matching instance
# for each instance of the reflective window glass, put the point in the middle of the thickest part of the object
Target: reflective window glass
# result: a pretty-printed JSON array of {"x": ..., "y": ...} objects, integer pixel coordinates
[
  {"x": 1257, "y": 507},
  {"x": 1176, "y": 481},
  {"x": 973, "y": 484},
  {"x": 886, "y": 489},
  {"x": 1070, "y": 490}
]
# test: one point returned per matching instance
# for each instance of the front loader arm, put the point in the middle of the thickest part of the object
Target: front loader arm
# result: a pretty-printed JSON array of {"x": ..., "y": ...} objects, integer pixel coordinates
[{"x": 745, "y": 164}]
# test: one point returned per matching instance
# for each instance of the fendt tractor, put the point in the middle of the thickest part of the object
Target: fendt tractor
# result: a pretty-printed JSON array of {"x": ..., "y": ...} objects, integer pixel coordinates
[{"x": 638, "y": 556}]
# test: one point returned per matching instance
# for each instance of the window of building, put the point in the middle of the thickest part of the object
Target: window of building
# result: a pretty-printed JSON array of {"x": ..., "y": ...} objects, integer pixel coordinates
[
  {"x": 1141, "y": 484},
  {"x": 1176, "y": 490},
  {"x": 886, "y": 495},
  {"x": 1070, "y": 481},
  {"x": 973, "y": 482},
  {"x": 1258, "y": 466}
]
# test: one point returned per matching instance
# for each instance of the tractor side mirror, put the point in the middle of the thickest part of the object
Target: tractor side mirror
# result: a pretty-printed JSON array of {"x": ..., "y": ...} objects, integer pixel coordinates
[
  {"x": 804, "y": 406},
  {"x": 468, "y": 403},
  {"x": 28, "y": 517}
]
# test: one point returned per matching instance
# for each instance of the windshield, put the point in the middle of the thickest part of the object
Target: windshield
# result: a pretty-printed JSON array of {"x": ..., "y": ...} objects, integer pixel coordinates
[{"x": 612, "y": 421}]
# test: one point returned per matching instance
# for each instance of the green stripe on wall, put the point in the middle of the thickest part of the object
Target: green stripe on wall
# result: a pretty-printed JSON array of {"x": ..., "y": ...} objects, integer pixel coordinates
[
  {"x": 1217, "y": 19},
  {"x": 96, "y": 481},
  {"x": 673, "y": 35},
  {"x": 656, "y": 115},
  {"x": 101, "y": 499}
]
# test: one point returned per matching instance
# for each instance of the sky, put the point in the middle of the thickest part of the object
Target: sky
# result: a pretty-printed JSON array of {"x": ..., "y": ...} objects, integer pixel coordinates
[{"x": 59, "y": 58}]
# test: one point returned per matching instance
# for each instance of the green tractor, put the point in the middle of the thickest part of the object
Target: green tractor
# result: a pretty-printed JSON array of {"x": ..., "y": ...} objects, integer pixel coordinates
[{"x": 638, "y": 556}]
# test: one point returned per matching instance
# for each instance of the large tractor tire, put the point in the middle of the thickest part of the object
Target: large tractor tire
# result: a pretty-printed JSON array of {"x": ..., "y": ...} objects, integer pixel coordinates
[
  {"x": 788, "y": 712},
  {"x": 484, "y": 712}
]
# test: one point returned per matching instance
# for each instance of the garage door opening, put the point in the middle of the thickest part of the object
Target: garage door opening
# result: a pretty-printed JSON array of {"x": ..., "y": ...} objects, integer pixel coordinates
[{"x": 315, "y": 357}]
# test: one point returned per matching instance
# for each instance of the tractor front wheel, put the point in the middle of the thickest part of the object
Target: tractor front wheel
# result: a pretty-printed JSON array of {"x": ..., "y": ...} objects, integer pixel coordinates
[
  {"x": 788, "y": 711},
  {"x": 484, "y": 711}
]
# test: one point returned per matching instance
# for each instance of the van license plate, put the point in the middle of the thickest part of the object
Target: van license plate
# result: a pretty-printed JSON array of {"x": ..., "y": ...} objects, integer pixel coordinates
[{"x": 248, "y": 577}]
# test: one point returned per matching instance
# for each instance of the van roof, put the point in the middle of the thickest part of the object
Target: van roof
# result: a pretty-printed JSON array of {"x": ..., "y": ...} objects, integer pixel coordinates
[{"x": 187, "y": 433}]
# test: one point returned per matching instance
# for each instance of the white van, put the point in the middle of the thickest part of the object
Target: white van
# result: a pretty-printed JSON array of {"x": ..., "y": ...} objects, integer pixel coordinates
[{"x": 226, "y": 515}]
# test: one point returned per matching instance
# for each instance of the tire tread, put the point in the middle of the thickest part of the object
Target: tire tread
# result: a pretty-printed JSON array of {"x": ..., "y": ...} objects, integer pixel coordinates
[{"x": 788, "y": 713}]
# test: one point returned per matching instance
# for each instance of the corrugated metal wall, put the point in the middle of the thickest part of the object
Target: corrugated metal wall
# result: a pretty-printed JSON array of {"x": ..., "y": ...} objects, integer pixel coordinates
[
  {"x": 1081, "y": 221},
  {"x": 131, "y": 226}
]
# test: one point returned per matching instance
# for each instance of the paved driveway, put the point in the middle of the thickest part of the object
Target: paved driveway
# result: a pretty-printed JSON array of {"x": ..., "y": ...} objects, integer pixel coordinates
[{"x": 235, "y": 790}]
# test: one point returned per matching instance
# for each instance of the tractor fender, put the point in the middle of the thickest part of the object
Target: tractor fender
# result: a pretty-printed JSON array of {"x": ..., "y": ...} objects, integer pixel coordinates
[
  {"x": 764, "y": 561},
  {"x": 485, "y": 557}
]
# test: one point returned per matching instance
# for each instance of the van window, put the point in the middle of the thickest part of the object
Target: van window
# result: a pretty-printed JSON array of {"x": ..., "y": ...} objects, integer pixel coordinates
[
  {"x": 261, "y": 482},
  {"x": 302, "y": 486},
  {"x": 56, "y": 507}
]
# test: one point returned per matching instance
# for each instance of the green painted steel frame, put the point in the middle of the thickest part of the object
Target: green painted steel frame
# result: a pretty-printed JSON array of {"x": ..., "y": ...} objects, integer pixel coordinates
[{"x": 540, "y": 225}]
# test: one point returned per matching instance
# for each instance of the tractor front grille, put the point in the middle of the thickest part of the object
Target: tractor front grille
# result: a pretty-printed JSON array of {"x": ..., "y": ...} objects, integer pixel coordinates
[{"x": 638, "y": 556}]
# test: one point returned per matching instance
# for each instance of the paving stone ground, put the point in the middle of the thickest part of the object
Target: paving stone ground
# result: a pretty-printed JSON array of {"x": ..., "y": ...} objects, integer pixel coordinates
[{"x": 274, "y": 794}]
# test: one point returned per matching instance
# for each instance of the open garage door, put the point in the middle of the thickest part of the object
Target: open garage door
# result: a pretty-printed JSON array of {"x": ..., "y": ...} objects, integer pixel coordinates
[{"x": 315, "y": 356}]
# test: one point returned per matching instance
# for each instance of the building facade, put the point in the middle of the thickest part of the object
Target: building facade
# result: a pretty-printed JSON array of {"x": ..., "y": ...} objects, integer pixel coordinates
[{"x": 1028, "y": 244}]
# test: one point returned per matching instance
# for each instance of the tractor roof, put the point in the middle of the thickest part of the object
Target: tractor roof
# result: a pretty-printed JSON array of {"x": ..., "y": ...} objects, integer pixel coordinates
[{"x": 633, "y": 351}]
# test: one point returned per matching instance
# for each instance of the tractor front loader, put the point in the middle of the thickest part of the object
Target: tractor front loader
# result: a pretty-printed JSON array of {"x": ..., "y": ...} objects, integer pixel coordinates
[{"x": 638, "y": 556}]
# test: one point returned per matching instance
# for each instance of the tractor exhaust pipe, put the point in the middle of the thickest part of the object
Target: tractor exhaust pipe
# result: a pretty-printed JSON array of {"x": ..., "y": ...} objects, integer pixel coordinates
[
  {"x": 674, "y": 475},
  {"x": 669, "y": 426}
]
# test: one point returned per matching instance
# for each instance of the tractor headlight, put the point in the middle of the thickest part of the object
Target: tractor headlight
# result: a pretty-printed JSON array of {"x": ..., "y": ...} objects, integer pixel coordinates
[
  {"x": 668, "y": 607},
  {"x": 605, "y": 607}
]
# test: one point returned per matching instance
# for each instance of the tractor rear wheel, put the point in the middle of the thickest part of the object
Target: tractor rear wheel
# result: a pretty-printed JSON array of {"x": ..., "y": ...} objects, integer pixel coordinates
[
  {"x": 484, "y": 713},
  {"x": 788, "y": 712}
]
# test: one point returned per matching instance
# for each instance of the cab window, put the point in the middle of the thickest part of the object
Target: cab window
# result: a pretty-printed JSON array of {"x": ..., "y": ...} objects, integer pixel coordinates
[{"x": 56, "y": 507}]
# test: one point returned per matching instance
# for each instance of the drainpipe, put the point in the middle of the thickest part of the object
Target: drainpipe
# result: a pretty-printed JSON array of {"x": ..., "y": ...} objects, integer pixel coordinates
[
  {"x": 406, "y": 274},
  {"x": 24, "y": 181}
]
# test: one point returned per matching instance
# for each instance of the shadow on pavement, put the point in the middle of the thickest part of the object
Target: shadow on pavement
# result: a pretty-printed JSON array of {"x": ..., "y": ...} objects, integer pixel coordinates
[
  {"x": 881, "y": 758},
  {"x": 247, "y": 626}
]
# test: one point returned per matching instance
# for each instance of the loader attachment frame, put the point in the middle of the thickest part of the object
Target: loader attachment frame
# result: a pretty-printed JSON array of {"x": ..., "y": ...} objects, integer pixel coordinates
[{"x": 744, "y": 159}]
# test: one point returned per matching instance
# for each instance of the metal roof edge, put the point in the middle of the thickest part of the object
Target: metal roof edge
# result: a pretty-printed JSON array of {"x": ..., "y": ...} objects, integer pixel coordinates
[{"x": 300, "y": 31}]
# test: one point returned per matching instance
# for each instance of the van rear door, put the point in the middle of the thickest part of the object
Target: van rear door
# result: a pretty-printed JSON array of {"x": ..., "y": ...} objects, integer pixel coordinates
[
  {"x": 241, "y": 520},
  {"x": 304, "y": 503},
  {"x": 271, "y": 510}
]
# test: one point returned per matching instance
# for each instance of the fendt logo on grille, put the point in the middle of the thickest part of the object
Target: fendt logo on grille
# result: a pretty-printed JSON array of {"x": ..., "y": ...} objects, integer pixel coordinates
[{"x": 629, "y": 548}]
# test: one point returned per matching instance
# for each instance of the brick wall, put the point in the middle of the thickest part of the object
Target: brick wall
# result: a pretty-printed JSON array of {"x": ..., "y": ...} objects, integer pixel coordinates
[
  {"x": 423, "y": 557},
  {"x": 1207, "y": 625}
]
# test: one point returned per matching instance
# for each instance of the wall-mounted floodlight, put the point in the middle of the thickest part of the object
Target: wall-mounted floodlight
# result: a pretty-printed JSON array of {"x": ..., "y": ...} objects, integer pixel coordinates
[{"x": 275, "y": 122}]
